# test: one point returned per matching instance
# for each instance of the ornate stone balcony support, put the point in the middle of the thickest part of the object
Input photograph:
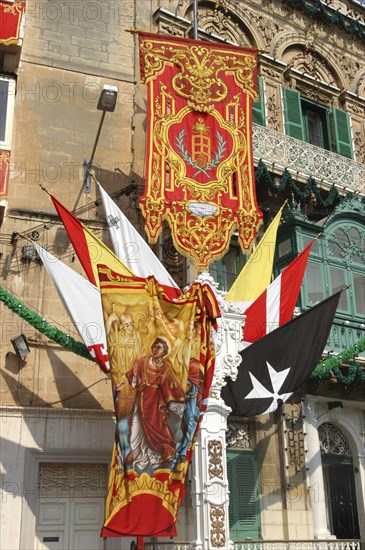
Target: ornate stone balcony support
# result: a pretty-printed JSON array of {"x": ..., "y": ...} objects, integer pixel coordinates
[{"x": 210, "y": 482}]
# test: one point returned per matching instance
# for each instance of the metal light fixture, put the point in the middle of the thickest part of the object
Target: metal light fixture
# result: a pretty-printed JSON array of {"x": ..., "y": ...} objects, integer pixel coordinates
[
  {"x": 108, "y": 99},
  {"x": 27, "y": 252},
  {"x": 107, "y": 102},
  {"x": 20, "y": 345}
]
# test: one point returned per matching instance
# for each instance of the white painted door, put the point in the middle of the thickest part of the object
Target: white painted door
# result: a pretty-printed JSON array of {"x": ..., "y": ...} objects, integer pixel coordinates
[
  {"x": 52, "y": 530},
  {"x": 66, "y": 524},
  {"x": 70, "y": 512}
]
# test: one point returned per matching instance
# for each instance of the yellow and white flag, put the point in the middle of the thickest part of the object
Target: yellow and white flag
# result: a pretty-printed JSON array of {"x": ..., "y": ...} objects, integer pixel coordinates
[{"x": 255, "y": 276}]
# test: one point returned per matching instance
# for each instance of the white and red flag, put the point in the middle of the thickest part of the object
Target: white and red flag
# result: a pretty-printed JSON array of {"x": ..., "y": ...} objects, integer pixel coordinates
[
  {"x": 275, "y": 306},
  {"x": 82, "y": 302},
  {"x": 133, "y": 250}
]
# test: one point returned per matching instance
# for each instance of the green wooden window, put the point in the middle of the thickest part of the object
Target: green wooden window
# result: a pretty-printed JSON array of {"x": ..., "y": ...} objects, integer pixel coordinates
[
  {"x": 244, "y": 510},
  {"x": 358, "y": 279},
  {"x": 293, "y": 114},
  {"x": 314, "y": 283},
  {"x": 342, "y": 132},
  {"x": 338, "y": 281},
  {"x": 258, "y": 107},
  {"x": 315, "y": 124},
  {"x": 226, "y": 270},
  {"x": 338, "y": 261}
]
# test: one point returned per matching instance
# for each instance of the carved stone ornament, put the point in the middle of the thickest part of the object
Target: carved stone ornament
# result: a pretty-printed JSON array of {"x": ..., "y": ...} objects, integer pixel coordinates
[
  {"x": 227, "y": 338},
  {"x": 359, "y": 147},
  {"x": 355, "y": 109},
  {"x": 216, "y": 22},
  {"x": 308, "y": 160},
  {"x": 217, "y": 532},
  {"x": 351, "y": 67},
  {"x": 314, "y": 94},
  {"x": 268, "y": 28},
  {"x": 171, "y": 30},
  {"x": 272, "y": 72},
  {"x": 272, "y": 113},
  {"x": 239, "y": 435},
  {"x": 215, "y": 455},
  {"x": 310, "y": 63},
  {"x": 168, "y": 23},
  {"x": 71, "y": 480}
]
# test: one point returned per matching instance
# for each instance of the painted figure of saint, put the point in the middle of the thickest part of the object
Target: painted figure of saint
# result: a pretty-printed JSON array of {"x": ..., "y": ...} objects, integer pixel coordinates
[{"x": 157, "y": 395}]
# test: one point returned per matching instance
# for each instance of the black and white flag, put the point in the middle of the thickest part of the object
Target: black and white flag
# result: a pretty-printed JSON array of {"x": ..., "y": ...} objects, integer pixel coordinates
[{"x": 276, "y": 365}]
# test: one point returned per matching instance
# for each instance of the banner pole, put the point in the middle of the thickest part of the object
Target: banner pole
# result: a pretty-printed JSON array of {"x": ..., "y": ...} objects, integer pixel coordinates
[{"x": 195, "y": 19}]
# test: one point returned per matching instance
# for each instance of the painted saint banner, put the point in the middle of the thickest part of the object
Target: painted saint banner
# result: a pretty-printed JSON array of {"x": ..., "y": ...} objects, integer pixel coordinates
[
  {"x": 162, "y": 361},
  {"x": 199, "y": 161}
]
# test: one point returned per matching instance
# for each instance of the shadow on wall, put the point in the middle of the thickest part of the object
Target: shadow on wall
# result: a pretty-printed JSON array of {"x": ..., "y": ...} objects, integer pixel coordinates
[{"x": 72, "y": 393}]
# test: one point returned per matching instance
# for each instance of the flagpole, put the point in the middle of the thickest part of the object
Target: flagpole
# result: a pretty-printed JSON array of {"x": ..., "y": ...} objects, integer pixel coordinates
[{"x": 195, "y": 19}]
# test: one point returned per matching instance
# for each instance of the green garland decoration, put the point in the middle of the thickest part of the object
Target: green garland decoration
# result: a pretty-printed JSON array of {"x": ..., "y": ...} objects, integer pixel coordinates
[
  {"x": 354, "y": 370},
  {"x": 262, "y": 175},
  {"x": 40, "y": 324},
  {"x": 324, "y": 368},
  {"x": 329, "y": 16}
]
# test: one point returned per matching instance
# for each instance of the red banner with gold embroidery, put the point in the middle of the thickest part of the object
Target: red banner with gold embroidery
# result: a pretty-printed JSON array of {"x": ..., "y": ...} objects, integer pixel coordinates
[
  {"x": 10, "y": 18},
  {"x": 161, "y": 358},
  {"x": 199, "y": 162},
  {"x": 4, "y": 171}
]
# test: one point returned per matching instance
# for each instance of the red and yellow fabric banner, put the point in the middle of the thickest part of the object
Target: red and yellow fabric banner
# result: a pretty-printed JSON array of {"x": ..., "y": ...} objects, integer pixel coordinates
[
  {"x": 162, "y": 362},
  {"x": 4, "y": 172},
  {"x": 199, "y": 162},
  {"x": 10, "y": 18}
]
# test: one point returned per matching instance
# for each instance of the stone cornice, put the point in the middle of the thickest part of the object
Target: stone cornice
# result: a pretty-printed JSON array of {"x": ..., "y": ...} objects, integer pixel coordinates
[{"x": 45, "y": 412}]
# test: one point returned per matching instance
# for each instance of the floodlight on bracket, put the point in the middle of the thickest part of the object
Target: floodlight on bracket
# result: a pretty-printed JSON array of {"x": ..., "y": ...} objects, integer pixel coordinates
[
  {"x": 20, "y": 345},
  {"x": 106, "y": 103}
]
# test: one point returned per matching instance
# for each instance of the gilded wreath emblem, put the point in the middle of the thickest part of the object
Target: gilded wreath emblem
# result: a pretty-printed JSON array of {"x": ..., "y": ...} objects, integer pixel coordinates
[{"x": 201, "y": 159}]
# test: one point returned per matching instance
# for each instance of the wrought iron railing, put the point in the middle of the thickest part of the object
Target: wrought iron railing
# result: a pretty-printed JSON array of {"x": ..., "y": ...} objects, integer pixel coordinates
[
  {"x": 268, "y": 545},
  {"x": 307, "y": 160}
]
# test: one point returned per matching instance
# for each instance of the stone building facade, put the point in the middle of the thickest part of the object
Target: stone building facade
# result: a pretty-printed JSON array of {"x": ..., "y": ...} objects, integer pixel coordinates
[{"x": 269, "y": 478}]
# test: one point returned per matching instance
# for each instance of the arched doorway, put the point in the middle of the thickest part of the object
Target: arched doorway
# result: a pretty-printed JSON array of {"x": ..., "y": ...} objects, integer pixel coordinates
[{"x": 339, "y": 482}]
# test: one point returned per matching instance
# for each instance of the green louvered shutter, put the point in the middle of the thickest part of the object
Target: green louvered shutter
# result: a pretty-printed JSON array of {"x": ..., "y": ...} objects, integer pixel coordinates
[
  {"x": 341, "y": 126},
  {"x": 293, "y": 114},
  {"x": 244, "y": 511},
  {"x": 258, "y": 107},
  {"x": 232, "y": 492}
]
